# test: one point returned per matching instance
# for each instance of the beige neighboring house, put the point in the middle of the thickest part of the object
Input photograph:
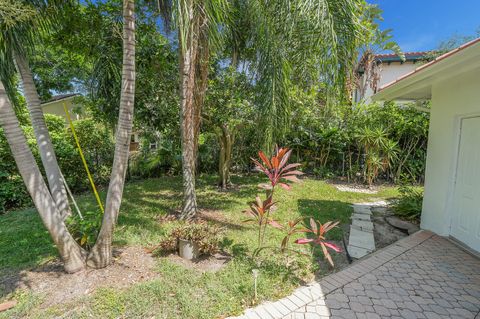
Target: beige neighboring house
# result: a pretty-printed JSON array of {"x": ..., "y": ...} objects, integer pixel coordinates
[
  {"x": 451, "y": 204},
  {"x": 55, "y": 106},
  {"x": 391, "y": 67}
]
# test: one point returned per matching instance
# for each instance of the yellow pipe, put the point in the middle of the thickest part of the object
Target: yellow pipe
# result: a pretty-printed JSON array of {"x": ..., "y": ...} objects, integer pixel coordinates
[{"x": 83, "y": 157}]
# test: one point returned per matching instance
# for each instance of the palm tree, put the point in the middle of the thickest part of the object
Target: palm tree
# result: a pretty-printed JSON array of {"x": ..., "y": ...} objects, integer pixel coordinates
[
  {"x": 17, "y": 42},
  {"x": 314, "y": 40},
  {"x": 101, "y": 254},
  {"x": 198, "y": 28},
  {"x": 71, "y": 253}
]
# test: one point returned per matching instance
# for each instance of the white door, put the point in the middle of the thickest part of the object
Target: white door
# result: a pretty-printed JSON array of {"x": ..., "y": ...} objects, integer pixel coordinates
[{"x": 466, "y": 201}]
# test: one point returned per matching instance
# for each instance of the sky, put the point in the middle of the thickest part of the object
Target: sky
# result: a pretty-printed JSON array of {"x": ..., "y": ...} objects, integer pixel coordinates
[{"x": 420, "y": 25}]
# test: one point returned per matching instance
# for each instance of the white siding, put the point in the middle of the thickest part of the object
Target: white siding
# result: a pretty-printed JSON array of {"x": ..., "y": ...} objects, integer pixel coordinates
[
  {"x": 452, "y": 99},
  {"x": 391, "y": 72}
]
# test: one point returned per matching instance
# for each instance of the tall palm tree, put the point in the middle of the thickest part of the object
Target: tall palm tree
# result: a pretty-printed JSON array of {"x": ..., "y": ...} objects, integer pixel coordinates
[
  {"x": 101, "y": 254},
  {"x": 71, "y": 253},
  {"x": 198, "y": 28},
  {"x": 17, "y": 41},
  {"x": 311, "y": 40}
]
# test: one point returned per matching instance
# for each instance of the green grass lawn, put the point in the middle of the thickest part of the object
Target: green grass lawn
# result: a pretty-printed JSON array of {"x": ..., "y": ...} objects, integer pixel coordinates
[{"x": 179, "y": 292}]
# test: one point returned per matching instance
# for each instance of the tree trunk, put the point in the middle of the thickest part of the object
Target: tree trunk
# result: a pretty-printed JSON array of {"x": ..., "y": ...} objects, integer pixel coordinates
[
  {"x": 201, "y": 79},
  {"x": 44, "y": 142},
  {"x": 71, "y": 253},
  {"x": 226, "y": 139},
  {"x": 188, "y": 53},
  {"x": 101, "y": 253}
]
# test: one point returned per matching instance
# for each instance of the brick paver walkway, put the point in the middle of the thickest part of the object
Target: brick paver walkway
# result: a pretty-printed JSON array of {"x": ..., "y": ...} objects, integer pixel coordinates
[{"x": 421, "y": 276}]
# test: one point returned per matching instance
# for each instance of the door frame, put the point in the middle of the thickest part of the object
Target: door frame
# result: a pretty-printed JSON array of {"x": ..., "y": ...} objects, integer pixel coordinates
[{"x": 450, "y": 209}]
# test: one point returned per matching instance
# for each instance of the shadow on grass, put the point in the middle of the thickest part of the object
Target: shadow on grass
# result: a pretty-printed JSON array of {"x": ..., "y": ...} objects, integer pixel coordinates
[
  {"x": 327, "y": 210},
  {"x": 324, "y": 211}
]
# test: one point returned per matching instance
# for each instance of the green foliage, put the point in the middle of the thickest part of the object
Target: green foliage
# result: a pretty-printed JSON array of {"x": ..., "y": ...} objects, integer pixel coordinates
[
  {"x": 361, "y": 142},
  {"x": 85, "y": 229},
  {"x": 12, "y": 192},
  {"x": 164, "y": 159},
  {"x": 205, "y": 235},
  {"x": 97, "y": 145},
  {"x": 409, "y": 204}
]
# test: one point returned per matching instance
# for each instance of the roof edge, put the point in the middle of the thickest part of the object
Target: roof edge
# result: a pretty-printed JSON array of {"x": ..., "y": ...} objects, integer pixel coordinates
[{"x": 426, "y": 65}]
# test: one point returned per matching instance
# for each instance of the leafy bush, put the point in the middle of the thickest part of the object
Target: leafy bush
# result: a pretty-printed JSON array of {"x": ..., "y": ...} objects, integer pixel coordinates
[
  {"x": 205, "y": 235},
  {"x": 409, "y": 204},
  {"x": 85, "y": 230},
  {"x": 12, "y": 192},
  {"x": 97, "y": 145},
  {"x": 165, "y": 159}
]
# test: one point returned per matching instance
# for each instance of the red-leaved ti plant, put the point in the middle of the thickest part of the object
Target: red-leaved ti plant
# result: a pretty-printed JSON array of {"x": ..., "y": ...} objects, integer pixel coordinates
[
  {"x": 319, "y": 231},
  {"x": 278, "y": 172},
  {"x": 259, "y": 212},
  {"x": 276, "y": 168}
]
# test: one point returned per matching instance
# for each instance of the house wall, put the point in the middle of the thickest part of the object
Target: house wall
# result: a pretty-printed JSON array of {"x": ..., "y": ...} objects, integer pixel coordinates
[
  {"x": 391, "y": 72},
  {"x": 56, "y": 108},
  {"x": 452, "y": 99}
]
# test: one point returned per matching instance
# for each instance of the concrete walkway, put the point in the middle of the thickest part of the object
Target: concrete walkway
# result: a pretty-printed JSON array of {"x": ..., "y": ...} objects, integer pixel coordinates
[{"x": 420, "y": 276}]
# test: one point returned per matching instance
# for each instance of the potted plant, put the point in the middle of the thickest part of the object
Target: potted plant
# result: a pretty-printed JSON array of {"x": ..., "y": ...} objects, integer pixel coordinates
[
  {"x": 188, "y": 249},
  {"x": 192, "y": 240}
]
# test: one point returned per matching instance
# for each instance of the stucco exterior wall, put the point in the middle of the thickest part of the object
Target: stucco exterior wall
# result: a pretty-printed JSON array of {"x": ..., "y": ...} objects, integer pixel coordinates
[
  {"x": 391, "y": 72},
  {"x": 56, "y": 108},
  {"x": 452, "y": 99}
]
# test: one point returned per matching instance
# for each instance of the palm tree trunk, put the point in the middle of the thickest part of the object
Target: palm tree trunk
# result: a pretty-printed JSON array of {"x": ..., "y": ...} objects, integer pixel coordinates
[
  {"x": 188, "y": 54},
  {"x": 71, "y": 253},
  {"x": 101, "y": 253},
  {"x": 44, "y": 142},
  {"x": 201, "y": 78}
]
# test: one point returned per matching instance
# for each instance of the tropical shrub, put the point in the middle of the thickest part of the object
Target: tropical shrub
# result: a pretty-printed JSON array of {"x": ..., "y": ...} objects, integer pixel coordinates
[
  {"x": 362, "y": 142},
  {"x": 205, "y": 235},
  {"x": 318, "y": 231},
  {"x": 164, "y": 159},
  {"x": 313, "y": 228},
  {"x": 96, "y": 141},
  {"x": 277, "y": 170},
  {"x": 85, "y": 228},
  {"x": 409, "y": 204}
]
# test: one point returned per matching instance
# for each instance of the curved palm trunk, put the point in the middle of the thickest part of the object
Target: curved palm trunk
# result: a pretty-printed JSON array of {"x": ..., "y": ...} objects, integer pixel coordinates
[
  {"x": 101, "y": 254},
  {"x": 71, "y": 253},
  {"x": 188, "y": 55},
  {"x": 44, "y": 142}
]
